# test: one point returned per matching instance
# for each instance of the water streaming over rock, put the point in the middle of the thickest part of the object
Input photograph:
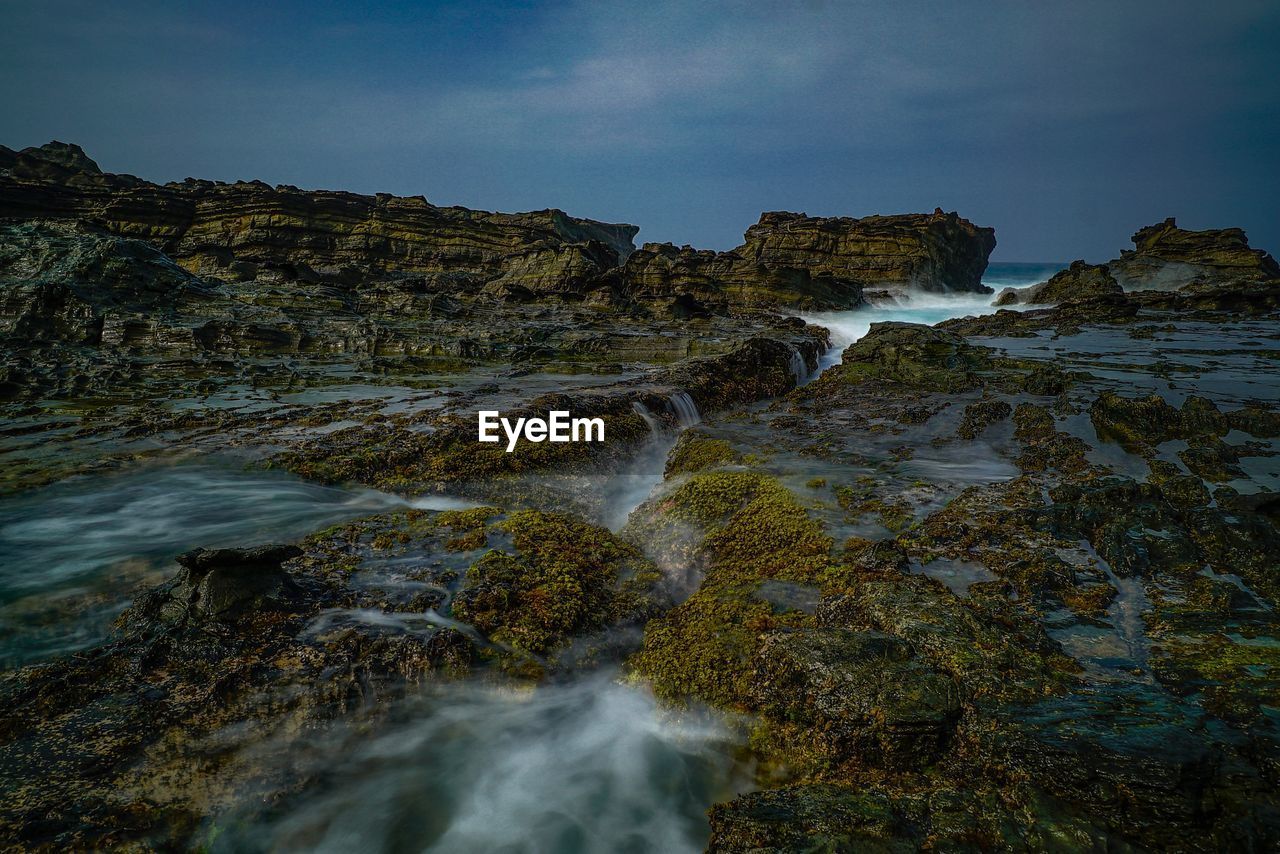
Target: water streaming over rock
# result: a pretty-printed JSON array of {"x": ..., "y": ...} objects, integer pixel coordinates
[
  {"x": 649, "y": 418},
  {"x": 686, "y": 411},
  {"x": 799, "y": 369},
  {"x": 97, "y": 538},
  {"x": 590, "y": 765},
  {"x": 585, "y": 765}
]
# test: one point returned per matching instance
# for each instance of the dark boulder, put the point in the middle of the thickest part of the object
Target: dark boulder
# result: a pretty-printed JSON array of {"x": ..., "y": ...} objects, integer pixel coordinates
[{"x": 222, "y": 583}]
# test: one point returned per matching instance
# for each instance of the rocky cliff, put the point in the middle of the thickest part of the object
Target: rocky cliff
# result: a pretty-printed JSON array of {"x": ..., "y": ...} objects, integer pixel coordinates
[
  {"x": 691, "y": 282},
  {"x": 817, "y": 262},
  {"x": 1215, "y": 266},
  {"x": 1166, "y": 257},
  {"x": 251, "y": 231},
  {"x": 932, "y": 252},
  {"x": 246, "y": 230}
]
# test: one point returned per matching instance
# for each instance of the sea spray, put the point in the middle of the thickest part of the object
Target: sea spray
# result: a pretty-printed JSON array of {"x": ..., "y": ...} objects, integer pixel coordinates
[{"x": 847, "y": 327}]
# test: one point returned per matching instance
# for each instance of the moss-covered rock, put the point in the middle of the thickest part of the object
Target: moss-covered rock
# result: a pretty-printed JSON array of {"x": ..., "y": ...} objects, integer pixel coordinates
[
  {"x": 918, "y": 356},
  {"x": 1139, "y": 424},
  {"x": 746, "y": 528},
  {"x": 695, "y": 451},
  {"x": 565, "y": 578},
  {"x": 968, "y": 815},
  {"x": 1079, "y": 282},
  {"x": 1044, "y": 446},
  {"x": 862, "y": 694},
  {"x": 981, "y": 415}
]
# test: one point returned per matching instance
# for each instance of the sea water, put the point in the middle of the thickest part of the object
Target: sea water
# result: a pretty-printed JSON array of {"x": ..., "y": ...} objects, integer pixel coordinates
[
  {"x": 926, "y": 307},
  {"x": 73, "y": 554}
]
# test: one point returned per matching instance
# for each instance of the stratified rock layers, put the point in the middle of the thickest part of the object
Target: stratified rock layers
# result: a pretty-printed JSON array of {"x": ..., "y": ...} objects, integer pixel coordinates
[
  {"x": 815, "y": 262},
  {"x": 1166, "y": 257},
  {"x": 252, "y": 231},
  {"x": 239, "y": 231}
]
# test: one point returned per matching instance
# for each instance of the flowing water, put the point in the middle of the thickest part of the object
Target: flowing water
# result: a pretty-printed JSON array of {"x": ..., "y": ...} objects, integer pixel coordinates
[
  {"x": 72, "y": 554},
  {"x": 685, "y": 409},
  {"x": 592, "y": 765}
]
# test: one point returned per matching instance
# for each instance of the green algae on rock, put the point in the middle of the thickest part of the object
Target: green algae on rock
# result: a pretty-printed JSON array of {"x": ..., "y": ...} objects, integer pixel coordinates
[{"x": 565, "y": 578}]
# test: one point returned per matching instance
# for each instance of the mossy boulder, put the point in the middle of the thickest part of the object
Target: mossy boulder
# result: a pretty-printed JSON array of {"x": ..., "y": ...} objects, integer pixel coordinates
[
  {"x": 1139, "y": 424},
  {"x": 915, "y": 355},
  {"x": 1077, "y": 283},
  {"x": 745, "y": 529},
  {"x": 981, "y": 415},
  {"x": 983, "y": 643},
  {"x": 1044, "y": 446}
]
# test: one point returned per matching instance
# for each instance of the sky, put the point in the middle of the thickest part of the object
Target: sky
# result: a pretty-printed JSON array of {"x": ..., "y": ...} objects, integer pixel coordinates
[{"x": 1066, "y": 126}]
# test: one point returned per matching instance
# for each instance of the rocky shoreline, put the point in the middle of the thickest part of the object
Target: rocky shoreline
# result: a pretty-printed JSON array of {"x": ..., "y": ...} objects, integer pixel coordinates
[{"x": 1007, "y": 582}]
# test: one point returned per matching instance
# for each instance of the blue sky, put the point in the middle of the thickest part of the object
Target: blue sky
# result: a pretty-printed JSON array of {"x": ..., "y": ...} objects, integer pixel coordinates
[{"x": 1066, "y": 126}]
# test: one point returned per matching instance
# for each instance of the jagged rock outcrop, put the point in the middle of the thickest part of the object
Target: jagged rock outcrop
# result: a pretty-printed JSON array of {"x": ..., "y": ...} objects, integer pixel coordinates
[
  {"x": 931, "y": 252},
  {"x": 248, "y": 229},
  {"x": 253, "y": 232},
  {"x": 84, "y": 310},
  {"x": 1211, "y": 269},
  {"x": 100, "y": 260},
  {"x": 1167, "y": 257},
  {"x": 815, "y": 262},
  {"x": 218, "y": 584}
]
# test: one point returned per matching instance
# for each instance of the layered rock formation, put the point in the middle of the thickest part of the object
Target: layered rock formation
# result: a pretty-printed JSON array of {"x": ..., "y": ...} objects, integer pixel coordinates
[
  {"x": 1170, "y": 267},
  {"x": 1167, "y": 257},
  {"x": 240, "y": 231},
  {"x": 691, "y": 282},
  {"x": 251, "y": 231},
  {"x": 816, "y": 262},
  {"x": 932, "y": 252},
  {"x": 100, "y": 273}
]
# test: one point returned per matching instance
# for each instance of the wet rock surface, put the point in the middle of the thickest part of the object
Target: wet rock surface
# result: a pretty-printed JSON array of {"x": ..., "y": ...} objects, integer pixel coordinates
[
  {"x": 1051, "y": 676},
  {"x": 1006, "y": 583},
  {"x": 210, "y": 678}
]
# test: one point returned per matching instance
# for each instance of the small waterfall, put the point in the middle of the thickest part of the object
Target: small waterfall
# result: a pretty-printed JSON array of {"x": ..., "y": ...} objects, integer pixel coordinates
[
  {"x": 649, "y": 418},
  {"x": 799, "y": 369},
  {"x": 685, "y": 409}
]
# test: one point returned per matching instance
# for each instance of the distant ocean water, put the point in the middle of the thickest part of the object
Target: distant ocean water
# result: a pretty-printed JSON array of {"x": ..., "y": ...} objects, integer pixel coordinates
[{"x": 1003, "y": 274}]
